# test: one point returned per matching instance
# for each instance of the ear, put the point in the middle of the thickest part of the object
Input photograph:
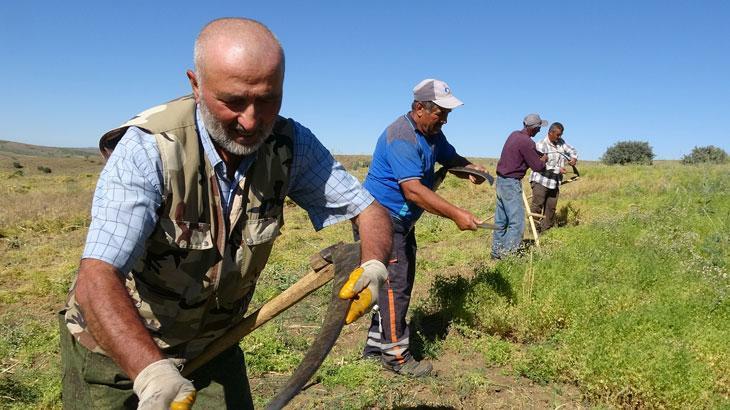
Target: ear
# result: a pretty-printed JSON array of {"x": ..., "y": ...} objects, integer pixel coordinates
[
  {"x": 194, "y": 84},
  {"x": 419, "y": 109}
]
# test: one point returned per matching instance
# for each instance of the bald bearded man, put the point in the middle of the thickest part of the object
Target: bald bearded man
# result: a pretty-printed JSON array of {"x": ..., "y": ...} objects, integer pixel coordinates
[{"x": 184, "y": 217}]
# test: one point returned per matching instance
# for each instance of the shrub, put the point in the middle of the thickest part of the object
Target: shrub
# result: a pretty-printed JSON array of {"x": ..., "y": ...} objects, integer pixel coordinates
[
  {"x": 709, "y": 153},
  {"x": 628, "y": 152},
  {"x": 17, "y": 165},
  {"x": 44, "y": 170}
]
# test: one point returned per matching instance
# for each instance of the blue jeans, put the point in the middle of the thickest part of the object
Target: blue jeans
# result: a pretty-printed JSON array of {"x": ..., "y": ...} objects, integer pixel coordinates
[{"x": 509, "y": 214}]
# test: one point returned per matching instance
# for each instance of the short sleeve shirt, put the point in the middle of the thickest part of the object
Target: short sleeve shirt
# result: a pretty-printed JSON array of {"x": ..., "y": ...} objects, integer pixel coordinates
[{"x": 402, "y": 153}]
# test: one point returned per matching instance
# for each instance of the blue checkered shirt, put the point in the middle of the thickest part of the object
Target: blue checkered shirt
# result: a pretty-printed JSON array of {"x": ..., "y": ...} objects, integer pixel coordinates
[
  {"x": 558, "y": 155},
  {"x": 129, "y": 192}
]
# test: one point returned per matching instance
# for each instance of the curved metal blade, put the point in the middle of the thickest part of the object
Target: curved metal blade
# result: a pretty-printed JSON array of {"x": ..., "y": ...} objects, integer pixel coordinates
[
  {"x": 346, "y": 259},
  {"x": 471, "y": 171},
  {"x": 485, "y": 225}
]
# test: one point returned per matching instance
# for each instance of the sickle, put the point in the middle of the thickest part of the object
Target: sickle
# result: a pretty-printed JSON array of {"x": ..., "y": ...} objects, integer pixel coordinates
[
  {"x": 574, "y": 178},
  {"x": 564, "y": 155},
  {"x": 471, "y": 171},
  {"x": 346, "y": 257}
]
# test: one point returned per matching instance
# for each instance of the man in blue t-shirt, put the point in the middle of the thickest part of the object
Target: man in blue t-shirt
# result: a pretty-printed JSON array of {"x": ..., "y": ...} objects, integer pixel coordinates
[{"x": 401, "y": 178}]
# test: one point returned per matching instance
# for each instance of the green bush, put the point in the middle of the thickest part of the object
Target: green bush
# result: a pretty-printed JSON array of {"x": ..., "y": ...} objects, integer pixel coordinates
[
  {"x": 44, "y": 170},
  {"x": 709, "y": 153},
  {"x": 628, "y": 152}
]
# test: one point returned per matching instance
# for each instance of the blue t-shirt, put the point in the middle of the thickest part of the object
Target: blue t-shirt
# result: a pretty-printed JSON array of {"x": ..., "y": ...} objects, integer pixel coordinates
[{"x": 402, "y": 154}]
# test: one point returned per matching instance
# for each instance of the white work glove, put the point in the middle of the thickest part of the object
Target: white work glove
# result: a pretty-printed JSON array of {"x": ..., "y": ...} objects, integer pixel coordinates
[
  {"x": 160, "y": 386},
  {"x": 363, "y": 286}
]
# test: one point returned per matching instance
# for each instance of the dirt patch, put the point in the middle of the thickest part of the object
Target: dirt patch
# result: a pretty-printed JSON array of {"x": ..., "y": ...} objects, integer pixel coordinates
[{"x": 460, "y": 381}]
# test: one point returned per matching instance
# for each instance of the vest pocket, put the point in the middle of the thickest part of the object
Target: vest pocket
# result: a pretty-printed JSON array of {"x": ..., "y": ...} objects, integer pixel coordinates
[
  {"x": 185, "y": 234},
  {"x": 258, "y": 231}
]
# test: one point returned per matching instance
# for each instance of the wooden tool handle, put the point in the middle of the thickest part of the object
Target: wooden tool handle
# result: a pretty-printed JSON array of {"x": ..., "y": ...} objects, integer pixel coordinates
[{"x": 312, "y": 281}]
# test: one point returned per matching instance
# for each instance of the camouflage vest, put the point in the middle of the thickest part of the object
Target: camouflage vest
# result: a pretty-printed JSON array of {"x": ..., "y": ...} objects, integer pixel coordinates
[{"x": 195, "y": 278}]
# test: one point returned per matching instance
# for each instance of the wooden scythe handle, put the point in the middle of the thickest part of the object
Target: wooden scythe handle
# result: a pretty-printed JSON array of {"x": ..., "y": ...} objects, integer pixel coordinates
[
  {"x": 322, "y": 272},
  {"x": 530, "y": 219}
]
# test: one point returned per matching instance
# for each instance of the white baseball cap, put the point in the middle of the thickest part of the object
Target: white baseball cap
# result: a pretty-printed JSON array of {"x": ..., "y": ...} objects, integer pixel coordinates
[
  {"x": 534, "y": 121},
  {"x": 436, "y": 91}
]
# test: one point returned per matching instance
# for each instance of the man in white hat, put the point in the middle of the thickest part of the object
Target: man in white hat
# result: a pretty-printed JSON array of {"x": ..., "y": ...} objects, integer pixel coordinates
[
  {"x": 518, "y": 154},
  {"x": 401, "y": 178}
]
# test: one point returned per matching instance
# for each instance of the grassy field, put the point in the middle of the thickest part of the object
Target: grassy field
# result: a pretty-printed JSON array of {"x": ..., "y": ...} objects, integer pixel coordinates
[{"x": 626, "y": 306}]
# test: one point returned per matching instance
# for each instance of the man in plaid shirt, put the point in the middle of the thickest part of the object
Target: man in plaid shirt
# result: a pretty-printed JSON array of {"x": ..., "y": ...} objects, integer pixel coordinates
[{"x": 546, "y": 184}]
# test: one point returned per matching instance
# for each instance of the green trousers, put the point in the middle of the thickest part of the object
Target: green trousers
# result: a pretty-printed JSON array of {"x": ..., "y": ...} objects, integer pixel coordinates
[{"x": 94, "y": 381}]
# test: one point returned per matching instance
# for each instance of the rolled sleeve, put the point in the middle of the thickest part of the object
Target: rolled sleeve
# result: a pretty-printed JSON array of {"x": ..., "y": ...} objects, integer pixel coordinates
[
  {"x": 127, "y": 196},
  {"x": 321, "y": 185}
]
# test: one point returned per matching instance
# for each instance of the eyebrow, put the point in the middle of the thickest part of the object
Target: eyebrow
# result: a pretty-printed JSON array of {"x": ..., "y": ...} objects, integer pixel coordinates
[{"x": 237, "y": 97}]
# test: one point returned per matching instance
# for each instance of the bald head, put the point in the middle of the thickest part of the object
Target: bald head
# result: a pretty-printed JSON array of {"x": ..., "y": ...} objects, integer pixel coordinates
[
  {"x": 238, "y": 83},
  {"x": 236, "y": 43}
]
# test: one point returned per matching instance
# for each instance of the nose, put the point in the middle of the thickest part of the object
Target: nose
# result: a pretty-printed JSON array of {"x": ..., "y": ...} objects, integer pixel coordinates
[{"x": 248, "y": 117}]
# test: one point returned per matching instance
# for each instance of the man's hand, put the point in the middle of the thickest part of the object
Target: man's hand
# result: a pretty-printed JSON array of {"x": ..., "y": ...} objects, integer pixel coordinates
[
  {"x": 160, "y": 386},
  {"x": 363, "y": 287},
  {"x": 466, "y": 220},
  {"x": 474, "y": 179}
]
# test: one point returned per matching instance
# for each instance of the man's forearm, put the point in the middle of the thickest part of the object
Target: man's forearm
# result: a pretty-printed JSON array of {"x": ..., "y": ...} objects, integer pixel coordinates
[
  {"x": 112, "y": 318},
  {"x": 428, "y": 200},
  {"x": 376, "y": 233},
  {"x": 458, "y": 161}
]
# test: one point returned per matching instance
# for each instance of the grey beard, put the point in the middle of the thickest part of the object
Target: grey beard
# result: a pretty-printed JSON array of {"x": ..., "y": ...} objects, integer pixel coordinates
[{"x": 217, "y": 133}]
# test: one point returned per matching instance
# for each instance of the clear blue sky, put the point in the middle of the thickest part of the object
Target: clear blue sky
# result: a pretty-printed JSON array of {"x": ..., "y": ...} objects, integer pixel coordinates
[{"x": 656, "y": 71}]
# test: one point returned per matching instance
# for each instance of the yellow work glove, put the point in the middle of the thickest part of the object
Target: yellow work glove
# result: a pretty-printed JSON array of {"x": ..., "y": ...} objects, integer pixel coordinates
[
  {"x": 160, "y": 386},
  {"x": 363, "y": 286}
]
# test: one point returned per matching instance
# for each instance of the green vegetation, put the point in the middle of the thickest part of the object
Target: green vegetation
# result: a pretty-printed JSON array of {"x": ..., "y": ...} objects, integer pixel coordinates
[
  {"x": 708, "y": 154},
  {"x": 626, "y": 305},
  {"x": 631, "y": 306},
  {"x": 628, "y": 152}
]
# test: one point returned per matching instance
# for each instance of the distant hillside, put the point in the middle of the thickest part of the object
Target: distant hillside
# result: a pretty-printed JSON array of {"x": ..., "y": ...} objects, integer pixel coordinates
[{"x": 18, "y": 148}]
